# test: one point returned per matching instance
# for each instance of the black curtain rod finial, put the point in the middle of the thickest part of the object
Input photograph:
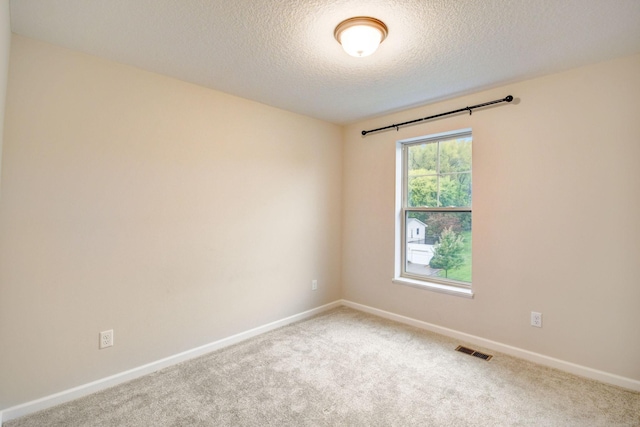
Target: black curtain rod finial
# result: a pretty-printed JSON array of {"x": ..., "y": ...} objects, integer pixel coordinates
[{"x": 509, "y": 98}]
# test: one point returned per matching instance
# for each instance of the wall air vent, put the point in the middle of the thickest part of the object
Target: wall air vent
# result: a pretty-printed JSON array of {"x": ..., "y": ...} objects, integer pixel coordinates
[{"x": 472, "y": 352}]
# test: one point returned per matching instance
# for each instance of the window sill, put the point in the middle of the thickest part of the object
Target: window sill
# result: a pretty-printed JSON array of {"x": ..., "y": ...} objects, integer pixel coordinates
[{"x": 434, "y": 287}]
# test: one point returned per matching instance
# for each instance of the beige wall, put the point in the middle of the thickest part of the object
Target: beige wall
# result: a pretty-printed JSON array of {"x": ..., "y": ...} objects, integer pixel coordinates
[
  {"x": 5, "y": 43},
  {"x": 173, "y": 214},
  {"x": 556, "y": 217}
]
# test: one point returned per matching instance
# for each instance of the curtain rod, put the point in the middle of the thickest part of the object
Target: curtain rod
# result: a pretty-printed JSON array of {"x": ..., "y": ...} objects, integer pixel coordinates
[{"x": 509, "y": 98}]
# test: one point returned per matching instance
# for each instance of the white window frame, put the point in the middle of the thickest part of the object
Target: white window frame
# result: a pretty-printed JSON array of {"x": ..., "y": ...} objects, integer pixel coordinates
[{"x": 401, "y": 277}]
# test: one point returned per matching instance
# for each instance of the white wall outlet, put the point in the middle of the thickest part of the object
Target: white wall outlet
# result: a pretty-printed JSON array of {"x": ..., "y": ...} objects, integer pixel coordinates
[
  {"x": 536, "y": 319},
  {"x": 314, "y": 285},
  {"x": 106, "y": 339}
]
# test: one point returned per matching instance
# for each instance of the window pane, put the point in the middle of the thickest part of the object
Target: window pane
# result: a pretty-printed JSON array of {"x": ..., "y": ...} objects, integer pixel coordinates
[
  {"x": 455, "y": 155},
  {"x": 422, "y": 159},
  {"x": 455, "y": 190},
  {"x": 423, "y": 191},
  {"x": 438, "y": 244}
]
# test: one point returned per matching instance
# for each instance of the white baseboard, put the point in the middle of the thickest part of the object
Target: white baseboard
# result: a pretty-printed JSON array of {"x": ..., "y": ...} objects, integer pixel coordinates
[
  {"x": 104, "y": 383},
  {"x": 541, "y": 359}
]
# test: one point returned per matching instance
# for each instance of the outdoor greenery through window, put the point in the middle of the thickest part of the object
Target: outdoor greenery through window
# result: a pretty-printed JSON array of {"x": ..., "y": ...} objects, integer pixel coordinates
[{"x": 436, "y": 209}]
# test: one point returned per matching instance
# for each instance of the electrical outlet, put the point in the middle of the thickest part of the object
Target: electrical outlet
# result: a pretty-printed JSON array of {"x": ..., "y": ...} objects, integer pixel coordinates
[
  {"x": 536, "y": 319},
  {"x": 106, "y": 339},
  {"x": 314, "y": 285}
]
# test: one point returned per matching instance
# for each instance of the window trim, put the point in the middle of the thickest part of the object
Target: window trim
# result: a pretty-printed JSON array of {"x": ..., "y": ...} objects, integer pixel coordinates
[{"x": 447, "y": 286}]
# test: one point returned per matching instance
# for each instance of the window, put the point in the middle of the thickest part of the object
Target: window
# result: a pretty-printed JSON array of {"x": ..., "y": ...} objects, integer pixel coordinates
[{"x": 434, "y": 212}]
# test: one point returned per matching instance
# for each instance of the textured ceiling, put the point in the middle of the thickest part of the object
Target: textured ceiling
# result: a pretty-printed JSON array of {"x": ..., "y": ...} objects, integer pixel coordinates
[{"x": 283, "y": 53}]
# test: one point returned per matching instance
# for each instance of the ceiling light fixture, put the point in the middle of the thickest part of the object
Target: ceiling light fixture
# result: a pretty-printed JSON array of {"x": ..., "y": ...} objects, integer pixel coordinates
[{"x": 360, "y": 36}]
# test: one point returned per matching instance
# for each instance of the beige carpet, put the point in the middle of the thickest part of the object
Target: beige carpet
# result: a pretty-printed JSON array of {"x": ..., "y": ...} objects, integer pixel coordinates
[{"x": 347, "y": 368}]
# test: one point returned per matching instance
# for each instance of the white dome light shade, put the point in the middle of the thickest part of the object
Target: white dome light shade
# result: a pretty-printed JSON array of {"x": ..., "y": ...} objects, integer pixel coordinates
[
  {"x": 360, "y": 36},
  {"x": 360, "y": 40}
]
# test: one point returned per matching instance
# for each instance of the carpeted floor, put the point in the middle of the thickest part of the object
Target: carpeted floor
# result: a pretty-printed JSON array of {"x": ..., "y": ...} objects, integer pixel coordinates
[{"x": 347, "y": 368}]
